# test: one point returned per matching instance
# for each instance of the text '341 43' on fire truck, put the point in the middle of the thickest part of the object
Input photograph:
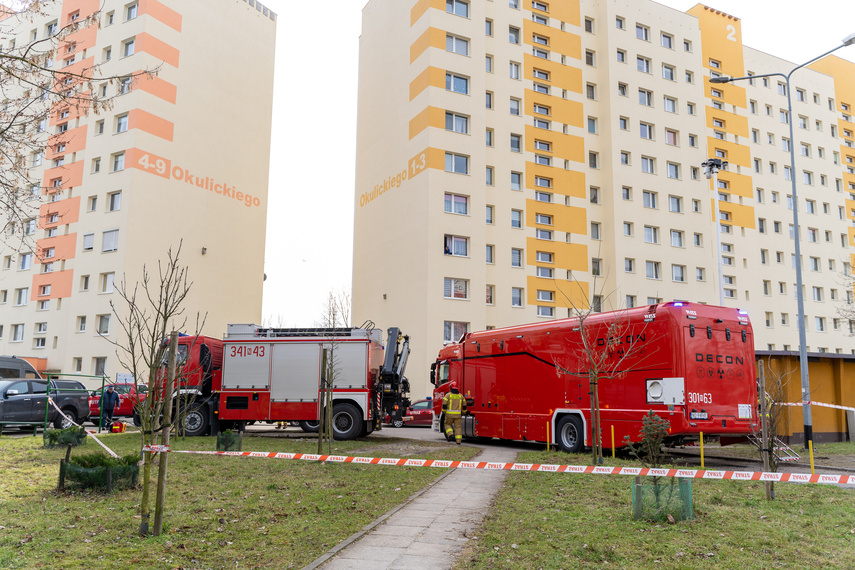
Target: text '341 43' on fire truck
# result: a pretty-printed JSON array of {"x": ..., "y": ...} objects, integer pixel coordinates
[
  {"x": 278, "y": 374},
  {"x": 692, "y": 364}
]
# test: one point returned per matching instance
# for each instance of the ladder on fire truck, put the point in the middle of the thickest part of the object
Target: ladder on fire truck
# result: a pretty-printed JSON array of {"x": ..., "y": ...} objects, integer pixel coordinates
[{"x": 780, "y": 450}]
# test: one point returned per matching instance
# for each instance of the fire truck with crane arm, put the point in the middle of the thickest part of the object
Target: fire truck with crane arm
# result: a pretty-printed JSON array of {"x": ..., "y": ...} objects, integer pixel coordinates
[
  {"x": 278, "y": 374},
  {"x": 692, "y": 364}
]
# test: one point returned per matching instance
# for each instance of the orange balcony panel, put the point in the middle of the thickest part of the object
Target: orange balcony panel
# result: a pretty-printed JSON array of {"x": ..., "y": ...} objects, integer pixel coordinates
[
  {"x": 732, "y": 94},
  {"x": 570, "y": 219},
  {"x": 59, "y": 281},
  {"x": 560, "y": 42},
  {"x": 83, "y": 67},
  {"x": 62, "y": 112},
  {"x": 561, "y": 76},
  {"x": 161, "y": 13},
  {"x": 850, "y": 209},
  {"x": 721, "y": 39},
  {"x": 83, "y": 38},
  {"x": 74, "y": 141},
  {"x": 430, "y": 77},
  {"x": 64, "y": 247},
  {"x": 85, "y": 7},
  {"x": 740, "y": 215},
  {"x": 67, "y": 211},
  {"x": 733, "y": 123},
  {"x": 156, "y": 86},
  {"x": 152, "y": 124},
  {"x": 851, "y": 231},
  {"x": 564, "y": 182},
  {"x": 563, "y": 110},
  {"x": 564, "y": 147},
  {"x": 572, "y": 256},
  {"x": 417, "y": 11},
  {"x": 432, "y": 38},
  {"x": 736, "y": 153},
  {"x": 562, "y": 10},
  {"x": 737, "y": 184},
  {"x": 70, "y": 175},
  {"x": 156, "y": 48},
  {"x": 429, "y": 117},
  {"x": 566, "y": 294},
  {"x": 847, "y": 151}
]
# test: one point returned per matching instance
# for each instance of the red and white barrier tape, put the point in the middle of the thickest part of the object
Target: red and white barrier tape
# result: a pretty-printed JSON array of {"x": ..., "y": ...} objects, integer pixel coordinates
[
  {"x": 90, "y": 433},
  {"x": 634, "y": 471},
  {"x": 820, "y": 404}
]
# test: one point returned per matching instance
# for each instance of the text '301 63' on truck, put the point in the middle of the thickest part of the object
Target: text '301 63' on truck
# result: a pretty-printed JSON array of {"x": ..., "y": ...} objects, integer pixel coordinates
[
  {"x": 692, "y": 364},
  {"x": 278, "y": 374}
]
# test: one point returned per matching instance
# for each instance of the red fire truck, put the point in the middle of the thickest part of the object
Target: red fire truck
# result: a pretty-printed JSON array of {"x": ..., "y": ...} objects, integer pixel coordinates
[
  {"x": 692, "y": 364},
  {"x": 276, "y": 374}
]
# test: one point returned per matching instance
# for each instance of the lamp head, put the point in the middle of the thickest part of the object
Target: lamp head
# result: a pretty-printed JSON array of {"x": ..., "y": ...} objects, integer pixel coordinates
[
  {"x": 721, "y": 79},
  {"x": 849, "y": 40}
]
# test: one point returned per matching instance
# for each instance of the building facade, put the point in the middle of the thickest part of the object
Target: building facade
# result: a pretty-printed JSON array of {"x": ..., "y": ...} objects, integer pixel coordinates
[
  {"x": 180, "y": 158},
  {"x": 519, "y": 158}
]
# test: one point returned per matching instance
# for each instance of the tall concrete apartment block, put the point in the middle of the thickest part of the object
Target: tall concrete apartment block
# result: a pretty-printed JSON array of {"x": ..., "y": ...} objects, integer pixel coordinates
[
  {"x": 517, "y": 158},
  {"x": 181, "y": 156}
]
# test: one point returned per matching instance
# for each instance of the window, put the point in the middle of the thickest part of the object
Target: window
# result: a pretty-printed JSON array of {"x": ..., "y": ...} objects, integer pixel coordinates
[
  {"x": 675, "y": 204},
  {"x": 649, "y": 199},
  {"x": 516, "y": 257},
  {"x": 513, "y": 35},
  {"x": 88, "y": 242},
  {"x": 651, "y": 234},
  {"x": 122, "y": 123},
  {"x": 670, "y": 137},
  {"x": 543, "y": 197},
  {"x": 131, "y": 11},
  {"x": 545, "y": 311},
  {"x": 670, "y": 104},
  {"x": 595, "y": 230},
  {"x": 619, "y": 23},
  {"x": 456, "y": 123},
  {"x": 110, "y": 240},
  {"x": 589, "y": 57},
  {"x": 645, "y": 97},
  {"x": 516, "y": 143},
  {"x": 488, "y": 27},
  {"x": 629, "y": 265},
  {"x": 514, "y": 70},
  {"x": 596, "y": 265},
  {"x": 593, "y": 160},
  {"x": 666, "y": 41},
  {"x": 623, "y": 123},
  {"x": 489, "y": 175},
  {"x": 516, "y": 218},
  {"x": 700, "y": 274},
  {"x": 456, "y": 83},
  {"x": 543, "y": 219},
  {"x": 25, "y": 261},
  {"x": 622, "y": 90},
  {"x": 592, "y": 125},
  {"x": 456, "y": 163},
  {"x": 678, "y": 273},
  {"x": 591, "y": 91},
  {"x": 22, "y": 296},
  {"x": 626, "y": 193},
  {"x": 456, "y": 288},
  {"x": 515, "y": 106},
  {"x": 118, "y": 162},
  {"x": 673, "y": 170},
  {"x": 488, "y": 64},
  {"x": 489, "y": 252},
  {"x": 516, "y": 181},
  {"x": 642, "y": 32},
  {"x": 456, "y": 45},
  {"x": 456, "y": 204},
  {"x": 456, "y": 245},
  {"x": 489, "y": 99},
  {"x": 128, "y": 48},
  {"x": 96, "y": 165},
  {"x": 17, "y": 333},
  {"x": 621, "y": 56},
  {"x": 653, "y": 270},
  {"x": 648, "y": 165},
  {"x": 516, "y": 297},
  {"x": 643, "y": 64},
  {"x": 687, "y": 45},
  {"x": 676, "y": 238},
  {"x": 646, "y": 131},
  {"x": 669, "y": 73},
  {"x": 627, "y": 229},
  {"x": 545, "y": 272},
  {"x": 594, "y": 195}
]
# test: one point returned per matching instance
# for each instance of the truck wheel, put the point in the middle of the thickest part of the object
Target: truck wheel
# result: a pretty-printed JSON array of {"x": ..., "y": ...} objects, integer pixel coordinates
[
  {"x": 347, "y": 422},
  {"x": 137, "y": 420},
  {"x": 310, "y": 426},
  {"x": 398, "y": 423},
  {"x": 62, "y": 423},
  {"x": 570, "y": 435},
  {"x": 196, "y": 421}
]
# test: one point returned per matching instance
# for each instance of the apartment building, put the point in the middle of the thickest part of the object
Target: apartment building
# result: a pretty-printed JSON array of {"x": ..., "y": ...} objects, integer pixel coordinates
[
  {"x": 180, "y": 158},
  {"x": 519, "y": 158}
]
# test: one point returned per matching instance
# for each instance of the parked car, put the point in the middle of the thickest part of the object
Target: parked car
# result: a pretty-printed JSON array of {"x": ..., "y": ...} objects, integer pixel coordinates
[
  {"x": 129, "y": 396},
  {"x": 23, "y": 401},
  {"x": 14, "y": 367},
  {"x": 419, "y": 413}
]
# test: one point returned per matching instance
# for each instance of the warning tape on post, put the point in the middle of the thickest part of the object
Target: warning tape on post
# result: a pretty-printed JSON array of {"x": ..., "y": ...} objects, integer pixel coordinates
[
  {"x": 534, "y": 467},
  {"x": 820, "y": 404}
]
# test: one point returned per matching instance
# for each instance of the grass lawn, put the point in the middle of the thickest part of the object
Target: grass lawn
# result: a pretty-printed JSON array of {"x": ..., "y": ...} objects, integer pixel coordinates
[
  {"x": 543, "y": 520},
  {"x": 221, "y": 512}
]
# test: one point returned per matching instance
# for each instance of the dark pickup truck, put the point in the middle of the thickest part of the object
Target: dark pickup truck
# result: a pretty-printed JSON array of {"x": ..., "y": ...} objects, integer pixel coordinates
[{"x": 22, "y": 401}]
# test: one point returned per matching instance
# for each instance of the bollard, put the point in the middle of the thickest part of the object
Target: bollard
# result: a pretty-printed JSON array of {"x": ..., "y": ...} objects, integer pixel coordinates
[
  {"x": 810, "y": 448},
  {"x": 613, "y": 441},
  {"x": 61, "y": 484},
  {"x": 702, "y": 450},
  {"x": 548, "y": 441}
]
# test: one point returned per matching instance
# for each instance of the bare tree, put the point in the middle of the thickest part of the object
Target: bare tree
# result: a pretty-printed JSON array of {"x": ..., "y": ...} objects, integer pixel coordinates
[
  {"x": 778, "y": 414},
  {"x": 36, "y": 91},
  {"x": 330, "y": 369},
  {"x": 602, "y": 348},
  {"x": 148, "y": 311}
]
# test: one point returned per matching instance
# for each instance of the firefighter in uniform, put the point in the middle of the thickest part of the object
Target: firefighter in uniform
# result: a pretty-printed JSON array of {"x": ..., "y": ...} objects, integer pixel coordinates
[{"x": 454, "y": 405}]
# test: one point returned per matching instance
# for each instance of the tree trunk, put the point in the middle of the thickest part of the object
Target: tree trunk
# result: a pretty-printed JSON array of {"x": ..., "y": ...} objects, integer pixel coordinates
[
  {"x": 595, "y": 417},
  {"x": 765, "y": 437},
  {"x": 144, "y": 511},
  {"x": 167, "y": 420}
]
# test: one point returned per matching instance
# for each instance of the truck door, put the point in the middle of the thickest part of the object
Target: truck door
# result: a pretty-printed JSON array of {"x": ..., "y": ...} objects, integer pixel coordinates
[{"x": 18, "y": 407}]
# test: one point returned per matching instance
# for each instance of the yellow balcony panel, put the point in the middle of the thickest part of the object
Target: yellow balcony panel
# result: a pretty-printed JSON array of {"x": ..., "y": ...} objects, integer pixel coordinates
[
  {"x": 566, "y": 294},
  {"x": 737, "y": 154},
  {"x": 430, "y": 77},
  {"x": 570, "y": 219},
  {"x": 431, "y": 38},
  {"x": 721, "y": 39},
  {"x": 572, "y": 256},
  {"x": 429, "y": 117},
  {"x": 737, "y": 184},
  {"x": 560, "y": 42},
  {"x": 847, "y": 151},
  {"x": 733, "y": 123},
  {"x": 740, "y": 215},
  {"x": 564, "y": 147},
  {"x": 562, "y": 110},
  {"x": 850, "y": 209},
  {"x": 848, "y": 181},
  {"x": 421, "y": 6},
  {"x": 732, "y": 94},
  {"x": 561, "y": 76},
  {"x": 564, "y": 182},
  {"x": 562, "y": 10},
  {"x": 851, "y": 231}
]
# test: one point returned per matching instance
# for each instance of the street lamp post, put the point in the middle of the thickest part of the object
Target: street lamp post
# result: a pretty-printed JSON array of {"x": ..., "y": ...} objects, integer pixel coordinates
[
  {"x": 803, "y": 360},
  {"x": 711, "y": 168}
]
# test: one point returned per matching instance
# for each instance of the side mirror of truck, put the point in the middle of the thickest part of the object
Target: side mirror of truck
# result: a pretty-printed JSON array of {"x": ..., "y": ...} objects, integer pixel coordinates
[{"x": 433, "y": 373}]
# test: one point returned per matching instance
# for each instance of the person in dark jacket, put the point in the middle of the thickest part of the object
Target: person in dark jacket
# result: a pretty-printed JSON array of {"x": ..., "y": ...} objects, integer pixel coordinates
[{"x": 109, "y": 403}]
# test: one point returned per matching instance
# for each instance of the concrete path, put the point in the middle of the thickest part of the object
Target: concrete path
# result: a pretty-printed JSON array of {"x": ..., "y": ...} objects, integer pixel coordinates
[{"x": 432, "y": 529}]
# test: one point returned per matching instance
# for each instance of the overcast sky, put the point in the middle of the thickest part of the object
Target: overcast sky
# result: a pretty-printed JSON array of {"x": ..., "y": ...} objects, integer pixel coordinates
[{"x": 312, "y": 155}]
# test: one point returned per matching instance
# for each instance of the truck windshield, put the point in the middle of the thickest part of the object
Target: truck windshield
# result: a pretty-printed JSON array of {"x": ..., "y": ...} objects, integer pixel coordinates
[
  {"x": 442, "y": 373},
  {"x": 182, "y": 356}
]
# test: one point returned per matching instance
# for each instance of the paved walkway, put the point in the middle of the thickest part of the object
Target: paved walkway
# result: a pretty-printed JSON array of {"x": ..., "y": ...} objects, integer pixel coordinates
[{"x": 432, "y": 529}]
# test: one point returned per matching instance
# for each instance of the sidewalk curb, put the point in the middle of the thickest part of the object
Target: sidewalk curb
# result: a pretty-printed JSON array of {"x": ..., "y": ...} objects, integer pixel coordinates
[{"x": 370, "y": 526}]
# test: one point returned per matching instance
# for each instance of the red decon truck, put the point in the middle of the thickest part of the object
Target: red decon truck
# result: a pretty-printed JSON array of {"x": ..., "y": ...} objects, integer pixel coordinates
[
  {"x": 276, "y": 374},
  {"x": 692, "y": 364}
]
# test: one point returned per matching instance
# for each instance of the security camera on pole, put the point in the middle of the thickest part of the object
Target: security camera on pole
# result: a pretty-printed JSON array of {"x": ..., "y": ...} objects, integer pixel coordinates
[{"x": 711, "y": 168}]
